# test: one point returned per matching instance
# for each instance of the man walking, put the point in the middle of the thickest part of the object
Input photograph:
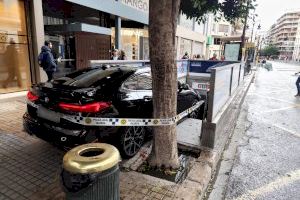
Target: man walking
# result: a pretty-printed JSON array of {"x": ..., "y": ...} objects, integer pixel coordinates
[
  {"x": 298, "y": 85},
  {"x": 47, "y": 61}
]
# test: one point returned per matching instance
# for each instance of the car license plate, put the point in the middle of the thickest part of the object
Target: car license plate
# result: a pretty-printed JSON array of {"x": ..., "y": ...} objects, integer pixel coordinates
[{"x": 48, "y": 114}]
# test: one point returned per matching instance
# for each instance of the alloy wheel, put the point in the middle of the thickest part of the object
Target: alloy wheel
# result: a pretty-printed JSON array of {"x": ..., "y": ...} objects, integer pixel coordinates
[{"x": 133, "y": 140}]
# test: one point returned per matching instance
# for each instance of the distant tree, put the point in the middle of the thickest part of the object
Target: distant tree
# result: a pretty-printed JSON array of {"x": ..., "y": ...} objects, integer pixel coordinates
[{"x": 270, "y": 51}]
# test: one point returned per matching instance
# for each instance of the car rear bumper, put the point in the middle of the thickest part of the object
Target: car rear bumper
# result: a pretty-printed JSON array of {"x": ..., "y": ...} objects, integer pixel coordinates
[{"x": 55, "y": 134}]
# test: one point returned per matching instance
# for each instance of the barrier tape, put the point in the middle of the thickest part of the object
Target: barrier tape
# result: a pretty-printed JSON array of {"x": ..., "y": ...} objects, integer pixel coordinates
[{"x": 96, "y": 121}]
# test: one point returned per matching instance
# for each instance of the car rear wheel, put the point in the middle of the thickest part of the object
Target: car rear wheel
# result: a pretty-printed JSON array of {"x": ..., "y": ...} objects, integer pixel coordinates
[{"x": 131, "y": 141}]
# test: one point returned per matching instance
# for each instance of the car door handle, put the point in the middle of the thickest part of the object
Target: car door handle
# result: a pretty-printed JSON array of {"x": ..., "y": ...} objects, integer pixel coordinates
[{"x": 147, "y": 98}]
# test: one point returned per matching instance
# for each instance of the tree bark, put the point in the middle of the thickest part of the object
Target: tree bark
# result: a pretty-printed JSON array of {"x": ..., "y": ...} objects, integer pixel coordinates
[{"x": 162, "y": 31}]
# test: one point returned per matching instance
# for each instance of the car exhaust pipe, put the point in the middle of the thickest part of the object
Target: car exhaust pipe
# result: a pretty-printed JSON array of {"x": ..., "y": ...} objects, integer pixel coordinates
[{"x": 63, "y": 139}]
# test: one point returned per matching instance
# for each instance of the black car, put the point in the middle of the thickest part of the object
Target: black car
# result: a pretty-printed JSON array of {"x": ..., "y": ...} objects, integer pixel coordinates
[{"x": 115, "y": 92}]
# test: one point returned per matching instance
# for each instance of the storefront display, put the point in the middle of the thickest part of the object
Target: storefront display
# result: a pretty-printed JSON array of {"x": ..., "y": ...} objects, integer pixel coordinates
[
  {"x": 134, "y": 43},
  {"x": 14, "y": 56}
]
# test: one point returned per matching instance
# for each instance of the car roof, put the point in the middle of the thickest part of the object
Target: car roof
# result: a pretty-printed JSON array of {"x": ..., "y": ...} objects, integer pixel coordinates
[
  {"x": 135, "y": 69},
  {"x": 143, "y": 70}
]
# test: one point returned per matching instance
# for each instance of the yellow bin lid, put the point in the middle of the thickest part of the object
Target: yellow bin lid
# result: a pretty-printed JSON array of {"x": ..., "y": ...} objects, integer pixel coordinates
[{"x": 91, "y": 158}]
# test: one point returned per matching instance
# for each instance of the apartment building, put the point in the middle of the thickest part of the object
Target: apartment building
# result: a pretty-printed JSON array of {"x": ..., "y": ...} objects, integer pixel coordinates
[
  {"x": 285, "y": 34},
  {"x": 296, "y": 53}
]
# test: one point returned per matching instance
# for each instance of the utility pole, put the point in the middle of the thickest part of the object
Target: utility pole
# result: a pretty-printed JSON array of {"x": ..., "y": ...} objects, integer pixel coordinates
[{"x": 253, "y": 20}]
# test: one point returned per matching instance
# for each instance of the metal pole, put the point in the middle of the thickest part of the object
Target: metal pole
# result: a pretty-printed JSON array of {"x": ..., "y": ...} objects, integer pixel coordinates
[
  {"x": 118, "y": 32},
  {"x": 252, "y": 29}
]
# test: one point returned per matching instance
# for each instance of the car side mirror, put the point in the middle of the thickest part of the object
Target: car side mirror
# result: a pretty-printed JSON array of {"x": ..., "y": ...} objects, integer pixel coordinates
[
  {"x": 183, "y": 86},
  {"x": 179, "y": 87}
]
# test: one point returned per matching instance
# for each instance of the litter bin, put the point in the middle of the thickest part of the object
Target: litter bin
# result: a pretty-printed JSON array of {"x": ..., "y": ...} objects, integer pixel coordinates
[{"x": 91, "y": 172}]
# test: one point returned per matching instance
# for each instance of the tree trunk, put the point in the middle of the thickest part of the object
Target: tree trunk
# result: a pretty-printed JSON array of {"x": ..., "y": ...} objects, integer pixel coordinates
[{"x": 162, "y": 31}]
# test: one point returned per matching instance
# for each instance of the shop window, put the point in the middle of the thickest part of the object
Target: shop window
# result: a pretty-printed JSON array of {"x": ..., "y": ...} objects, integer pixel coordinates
[
  {"x": 14, "y": 57},
  {"x": 217, "y": 41},
  {"x": 223, "y": 28}
]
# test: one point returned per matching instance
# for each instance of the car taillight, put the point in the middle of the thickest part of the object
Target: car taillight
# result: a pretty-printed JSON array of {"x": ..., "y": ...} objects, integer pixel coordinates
[
  {"x": 31, "y": 96},
  {"x": 87, "y": 108}
]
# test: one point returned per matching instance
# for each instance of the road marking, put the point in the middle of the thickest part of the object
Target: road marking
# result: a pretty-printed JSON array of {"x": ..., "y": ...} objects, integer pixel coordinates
[
  {"x": 277, "y": 99},
  {"x": 280, "y": 127},
  {"x": 272, "y": 92},
  {"x": 287, "y": 130},
  {"x": 272, "y": 186},
  {"x": 279, "y": 109}
]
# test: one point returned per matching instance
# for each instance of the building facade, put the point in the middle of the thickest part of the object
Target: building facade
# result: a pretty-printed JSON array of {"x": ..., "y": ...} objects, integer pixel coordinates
[
  {"x": 218, "y": 30},
  {"x": 80, "y": 30},
  {"x": 284, "y": 34}
]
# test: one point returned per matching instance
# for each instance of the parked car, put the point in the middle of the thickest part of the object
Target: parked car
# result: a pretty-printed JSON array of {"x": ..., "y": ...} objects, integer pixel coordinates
[{"x": 116, "y": 92}]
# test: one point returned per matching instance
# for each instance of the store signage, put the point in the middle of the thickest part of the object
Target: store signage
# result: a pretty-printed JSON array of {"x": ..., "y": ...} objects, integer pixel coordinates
[{"x": 141, "y": 5}]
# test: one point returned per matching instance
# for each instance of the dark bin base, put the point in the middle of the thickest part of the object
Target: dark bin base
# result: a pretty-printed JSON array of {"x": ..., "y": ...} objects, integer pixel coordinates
[{"x": 96, "y": 186}]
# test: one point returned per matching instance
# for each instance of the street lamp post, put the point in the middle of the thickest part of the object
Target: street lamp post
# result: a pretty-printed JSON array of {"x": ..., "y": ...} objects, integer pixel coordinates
[{"x": 258, "y": 42}]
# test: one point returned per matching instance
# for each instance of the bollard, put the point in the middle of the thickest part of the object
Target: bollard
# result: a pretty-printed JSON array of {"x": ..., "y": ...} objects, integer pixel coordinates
[{"x": 91, "y": 172}]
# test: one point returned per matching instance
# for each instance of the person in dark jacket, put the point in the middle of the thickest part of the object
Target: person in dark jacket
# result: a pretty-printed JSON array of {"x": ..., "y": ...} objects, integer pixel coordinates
[
  {"x": 48, "y": 62},
  {"x": 185, "y": 56},
  {"x": 122, "y": 55},
  {"x": 298, "y": 85}
]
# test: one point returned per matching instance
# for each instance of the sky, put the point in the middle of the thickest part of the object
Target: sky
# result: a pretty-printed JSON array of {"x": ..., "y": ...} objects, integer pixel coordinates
[{"x": 270, "y": 10}]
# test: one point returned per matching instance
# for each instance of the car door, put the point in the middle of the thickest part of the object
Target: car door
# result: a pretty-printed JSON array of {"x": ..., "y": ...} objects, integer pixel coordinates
[
  {"x": 136, "y": 96},
  {"x": 144, "y": 90}
]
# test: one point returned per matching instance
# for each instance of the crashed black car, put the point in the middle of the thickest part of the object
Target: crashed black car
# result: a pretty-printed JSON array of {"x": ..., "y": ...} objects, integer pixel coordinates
[{"x": 115, "y": 92}]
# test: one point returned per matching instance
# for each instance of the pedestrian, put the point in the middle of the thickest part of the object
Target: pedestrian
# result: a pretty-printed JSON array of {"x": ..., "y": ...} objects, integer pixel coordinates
[
  {"x": 122, "y": 55},
  {"x": 186, "y": 56},
  {"x": 47, "y": 61},
  {"x": 11, "y": 59},
  {"x": 298, "y": 85},
  {"x": 223, "y": 58},
  {"x": 115, "y": 54},
  {"x": 214, "y": 57}
]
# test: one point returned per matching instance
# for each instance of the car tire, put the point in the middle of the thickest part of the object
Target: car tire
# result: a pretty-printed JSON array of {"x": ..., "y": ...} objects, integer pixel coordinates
[{"x": 131, "y": 140}]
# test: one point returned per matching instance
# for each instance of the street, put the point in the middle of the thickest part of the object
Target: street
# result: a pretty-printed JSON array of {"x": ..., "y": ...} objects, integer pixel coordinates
[{"x": 267, "y": 161}]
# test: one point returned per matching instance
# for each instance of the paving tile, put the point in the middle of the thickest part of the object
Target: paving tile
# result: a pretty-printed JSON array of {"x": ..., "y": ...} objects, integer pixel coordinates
[{"x": 29, "y": 167}]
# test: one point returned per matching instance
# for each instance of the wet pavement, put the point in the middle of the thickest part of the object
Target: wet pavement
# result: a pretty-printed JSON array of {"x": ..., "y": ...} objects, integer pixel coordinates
[{"x": 267, "y": 163}]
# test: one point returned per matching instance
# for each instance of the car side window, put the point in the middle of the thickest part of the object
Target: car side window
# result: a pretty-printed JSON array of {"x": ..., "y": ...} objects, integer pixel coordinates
[{"x": 139, "y": 82}]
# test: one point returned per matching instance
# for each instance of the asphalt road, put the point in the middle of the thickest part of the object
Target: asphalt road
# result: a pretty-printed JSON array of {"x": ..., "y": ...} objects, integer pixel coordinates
[{"x": 266, "y": 165}]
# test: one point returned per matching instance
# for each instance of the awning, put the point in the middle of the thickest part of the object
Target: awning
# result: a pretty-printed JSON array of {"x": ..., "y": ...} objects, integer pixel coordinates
[{"x": 77, "y": 27}]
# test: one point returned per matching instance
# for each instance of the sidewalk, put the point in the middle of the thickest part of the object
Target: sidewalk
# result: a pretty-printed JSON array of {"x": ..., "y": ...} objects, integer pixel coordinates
[{"x": 30, "y": 167}]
